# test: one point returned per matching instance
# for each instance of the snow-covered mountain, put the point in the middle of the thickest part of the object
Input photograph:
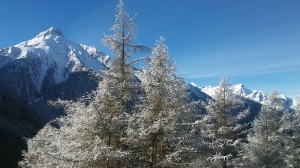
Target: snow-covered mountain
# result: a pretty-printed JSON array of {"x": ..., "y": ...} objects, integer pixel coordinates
[
  {"x": 240, "y": 90},
  {"x": 30, "y": 67}
]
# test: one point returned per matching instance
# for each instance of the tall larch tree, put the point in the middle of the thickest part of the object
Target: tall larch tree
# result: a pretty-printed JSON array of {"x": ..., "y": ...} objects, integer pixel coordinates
[
  {"x": 121, "y": 71},
  {"x": 119, "y": 81},
  {"x": 221, "y": 127},
  {"x": 163, "y": 112}
]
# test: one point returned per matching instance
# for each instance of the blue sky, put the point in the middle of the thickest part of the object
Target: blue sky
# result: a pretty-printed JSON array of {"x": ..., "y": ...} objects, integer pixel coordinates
[{"x": 255, "y": 42}]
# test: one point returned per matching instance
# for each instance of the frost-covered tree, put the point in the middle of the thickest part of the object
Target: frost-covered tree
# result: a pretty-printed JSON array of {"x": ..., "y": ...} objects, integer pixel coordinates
[
  {"x": 221, "y": 127},
  {"x": 74, "y": 140},
  {"x": 119, "y": 81},
  {"x": 266, "y": 142},
  {"x": 90, "y": 135},
  {"x": 293, "y": 144},
  {"x": 163, "y": 112},
  {"x": 121, "y": 71},
  {"x": 112, "y": 119}
]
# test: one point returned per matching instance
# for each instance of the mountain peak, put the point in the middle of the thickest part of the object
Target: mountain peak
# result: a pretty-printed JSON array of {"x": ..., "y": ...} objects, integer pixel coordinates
[
  {"x": 239, "y": 86},
  {"x": 51, "y": 36},
  {"x": 241, "y": 90},
  {"x": 52, "y": 31}
]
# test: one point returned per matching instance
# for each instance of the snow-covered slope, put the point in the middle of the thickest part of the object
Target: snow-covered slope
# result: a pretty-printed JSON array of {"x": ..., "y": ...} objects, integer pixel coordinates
[
  {"x": 241, "y": 90},
  {"x": 258, "y": 95},
  {"x": 296, "y": 103},
  {"x": 47, "y": 58}
]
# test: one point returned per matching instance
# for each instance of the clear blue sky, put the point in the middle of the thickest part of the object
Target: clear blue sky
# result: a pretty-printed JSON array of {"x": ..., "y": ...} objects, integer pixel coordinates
[{"x": 255, "y": 42}]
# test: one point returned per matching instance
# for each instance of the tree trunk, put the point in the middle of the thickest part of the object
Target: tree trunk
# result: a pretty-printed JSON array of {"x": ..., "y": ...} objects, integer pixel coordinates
[
  {"x": 224, "y": 164},
  {"x": 153, "y": 151},
  {"x": 109, "y": 142}
]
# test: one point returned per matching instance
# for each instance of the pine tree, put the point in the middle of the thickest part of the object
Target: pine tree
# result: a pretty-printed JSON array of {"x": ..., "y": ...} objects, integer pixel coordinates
[
  {"x": 221, "y": 127},
  {"x": 265, "y": 146},
  {"x": 163, "y": 111}
]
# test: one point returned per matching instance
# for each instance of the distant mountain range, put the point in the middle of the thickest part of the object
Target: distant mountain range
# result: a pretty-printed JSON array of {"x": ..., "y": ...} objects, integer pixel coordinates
[{"x": 240, "y": 90}]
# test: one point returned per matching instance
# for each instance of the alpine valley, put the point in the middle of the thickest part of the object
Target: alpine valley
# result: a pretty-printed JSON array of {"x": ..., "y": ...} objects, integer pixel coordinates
[{"x": 50, "y": 67}]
